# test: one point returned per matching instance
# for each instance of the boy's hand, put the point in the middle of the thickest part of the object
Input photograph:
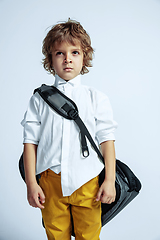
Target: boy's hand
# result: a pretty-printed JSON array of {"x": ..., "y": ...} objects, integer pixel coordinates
[
  {"x": 35, "y": 196},
  {"x": 107, "y": 192}
]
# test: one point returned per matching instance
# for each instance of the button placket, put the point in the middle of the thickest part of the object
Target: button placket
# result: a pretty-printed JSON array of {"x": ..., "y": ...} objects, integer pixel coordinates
[{"x": 65, "y": 149}]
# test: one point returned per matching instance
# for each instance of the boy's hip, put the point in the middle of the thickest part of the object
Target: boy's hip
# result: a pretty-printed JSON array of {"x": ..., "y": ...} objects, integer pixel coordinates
[{"x": 51, "y": 185}]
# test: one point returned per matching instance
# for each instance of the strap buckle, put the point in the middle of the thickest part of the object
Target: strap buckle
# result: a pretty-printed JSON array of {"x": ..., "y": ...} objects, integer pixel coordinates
[{"x": 73, "y": 114}]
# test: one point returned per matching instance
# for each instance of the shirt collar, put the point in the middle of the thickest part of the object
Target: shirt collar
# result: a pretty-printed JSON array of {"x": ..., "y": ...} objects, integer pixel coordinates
[{"x": 59, "y": 82}]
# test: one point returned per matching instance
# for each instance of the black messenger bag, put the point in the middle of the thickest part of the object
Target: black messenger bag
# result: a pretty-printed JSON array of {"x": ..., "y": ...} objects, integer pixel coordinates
[{"x": 127, "y": 184}]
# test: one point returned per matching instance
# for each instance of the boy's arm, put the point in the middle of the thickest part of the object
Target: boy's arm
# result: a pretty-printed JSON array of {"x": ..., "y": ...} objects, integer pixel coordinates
[
  {"x": 107, "y": 191},
  {"x": 35, "y": 194}
]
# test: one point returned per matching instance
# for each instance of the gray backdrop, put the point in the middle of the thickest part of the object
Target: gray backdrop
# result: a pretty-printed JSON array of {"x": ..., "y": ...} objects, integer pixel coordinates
[{"x": 126, "y": 38}]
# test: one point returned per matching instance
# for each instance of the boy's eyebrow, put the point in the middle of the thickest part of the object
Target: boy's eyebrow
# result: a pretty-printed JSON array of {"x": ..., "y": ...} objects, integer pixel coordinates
[
  {"x": 77, "y": 49},
  {"x": 73, "y": 49}
]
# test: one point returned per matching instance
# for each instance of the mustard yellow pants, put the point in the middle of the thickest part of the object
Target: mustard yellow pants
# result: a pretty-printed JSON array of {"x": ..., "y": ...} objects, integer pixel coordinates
[{"x": 86, "y": 212}]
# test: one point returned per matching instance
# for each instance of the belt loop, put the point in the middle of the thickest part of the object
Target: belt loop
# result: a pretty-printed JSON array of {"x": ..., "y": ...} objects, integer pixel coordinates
[{"x": 45, "y": 173}]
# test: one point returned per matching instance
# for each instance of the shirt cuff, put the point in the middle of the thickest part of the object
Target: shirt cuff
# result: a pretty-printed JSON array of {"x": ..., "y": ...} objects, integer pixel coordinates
[
  {"x": 30, "y": 141},
  {"x": 105, "y": 137}
]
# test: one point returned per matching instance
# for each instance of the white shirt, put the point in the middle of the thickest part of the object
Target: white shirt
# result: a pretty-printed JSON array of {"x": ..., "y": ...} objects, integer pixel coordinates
[{"x": 58, "y": 139}]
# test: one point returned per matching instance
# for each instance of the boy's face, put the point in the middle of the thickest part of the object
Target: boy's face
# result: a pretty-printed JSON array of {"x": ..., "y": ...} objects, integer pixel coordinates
[{"x": 67, "y": 60}]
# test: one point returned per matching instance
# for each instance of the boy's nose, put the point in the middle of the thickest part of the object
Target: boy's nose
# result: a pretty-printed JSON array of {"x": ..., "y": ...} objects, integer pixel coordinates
[{"x": 67, "y": 59}]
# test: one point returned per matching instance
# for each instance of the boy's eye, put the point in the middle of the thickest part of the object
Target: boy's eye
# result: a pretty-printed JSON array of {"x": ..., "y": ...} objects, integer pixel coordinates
[
  {"x": 75, "y": 52},
  {"x": 59, "y": 53}
]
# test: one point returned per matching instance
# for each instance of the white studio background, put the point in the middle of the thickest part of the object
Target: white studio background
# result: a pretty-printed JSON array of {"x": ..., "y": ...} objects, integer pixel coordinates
[{"x": 126, "y": 38}]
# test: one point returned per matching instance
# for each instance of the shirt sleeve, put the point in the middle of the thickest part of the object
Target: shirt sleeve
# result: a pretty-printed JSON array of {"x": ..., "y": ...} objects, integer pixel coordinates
[
  {"x": 32, "y": 121},
  {"x": 105, "y": 125}
]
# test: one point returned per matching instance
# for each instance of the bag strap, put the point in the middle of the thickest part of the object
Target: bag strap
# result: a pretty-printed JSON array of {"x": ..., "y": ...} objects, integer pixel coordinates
[{"x": 68, "y": 109}]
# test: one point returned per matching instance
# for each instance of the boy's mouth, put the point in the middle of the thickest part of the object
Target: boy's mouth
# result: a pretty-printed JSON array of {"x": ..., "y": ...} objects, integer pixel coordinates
[{"x": 68, "y": 69}]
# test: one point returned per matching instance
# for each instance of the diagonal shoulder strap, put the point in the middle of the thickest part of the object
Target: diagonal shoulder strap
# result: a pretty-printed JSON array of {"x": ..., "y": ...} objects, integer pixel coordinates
[
  {"x": 68, "y": 109},
  {"x": 56, "y": 100}
]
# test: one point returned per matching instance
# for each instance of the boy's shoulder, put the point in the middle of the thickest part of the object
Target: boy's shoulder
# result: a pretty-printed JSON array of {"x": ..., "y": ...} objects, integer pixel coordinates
[
  {"x": 95, "y": 93},
  {"x": 35, "y": 101}
]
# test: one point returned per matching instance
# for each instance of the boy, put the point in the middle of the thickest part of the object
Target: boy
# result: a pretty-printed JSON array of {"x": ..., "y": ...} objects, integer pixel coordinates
[{"x": 69, "y": 182}]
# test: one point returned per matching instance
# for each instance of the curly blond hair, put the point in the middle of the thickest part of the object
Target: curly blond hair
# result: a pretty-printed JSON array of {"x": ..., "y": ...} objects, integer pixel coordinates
[{"x": 69, "y": 31}]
